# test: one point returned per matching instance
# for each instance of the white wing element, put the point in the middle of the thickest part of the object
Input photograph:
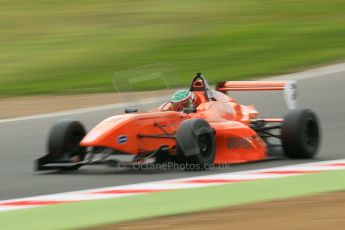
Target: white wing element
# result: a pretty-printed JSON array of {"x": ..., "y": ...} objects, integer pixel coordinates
[
  {"x": 288, "y": 87},
  {"x": 290, "y": 94}
]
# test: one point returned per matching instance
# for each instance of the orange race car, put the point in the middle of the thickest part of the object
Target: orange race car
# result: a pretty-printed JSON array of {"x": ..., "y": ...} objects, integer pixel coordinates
[{"x": 199, "y": 126}]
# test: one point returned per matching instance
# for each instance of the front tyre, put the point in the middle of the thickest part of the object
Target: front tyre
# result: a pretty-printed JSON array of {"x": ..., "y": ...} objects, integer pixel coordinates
[
  {"x": 300, "y": 134},
  {"x": 196, "y": 143},
  {"x": 63, "y": 143}
]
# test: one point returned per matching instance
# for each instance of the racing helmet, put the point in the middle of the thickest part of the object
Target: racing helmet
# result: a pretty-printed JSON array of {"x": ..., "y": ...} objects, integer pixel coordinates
[{"x": 182, "y": 99}]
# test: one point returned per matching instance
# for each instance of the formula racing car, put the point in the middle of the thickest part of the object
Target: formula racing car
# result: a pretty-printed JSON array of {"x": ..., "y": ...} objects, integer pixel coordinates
[{"x": 212, "y": 129}]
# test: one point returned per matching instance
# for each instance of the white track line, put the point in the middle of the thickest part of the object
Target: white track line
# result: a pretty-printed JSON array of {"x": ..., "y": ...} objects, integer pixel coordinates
[
  {"x": 166, "y": 185},
  {"x": 318, "y": 72},
  {"x": 83, "y": 110},
  {"x": 313, "y": 73}
]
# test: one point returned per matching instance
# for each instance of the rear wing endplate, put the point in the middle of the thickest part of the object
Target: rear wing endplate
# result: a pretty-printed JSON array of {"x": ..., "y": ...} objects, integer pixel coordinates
[{"x": 289, "y": 88}]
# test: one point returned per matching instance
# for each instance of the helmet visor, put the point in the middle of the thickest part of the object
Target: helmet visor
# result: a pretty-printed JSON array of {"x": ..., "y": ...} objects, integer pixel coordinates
[{"x": 186, "y": 103}]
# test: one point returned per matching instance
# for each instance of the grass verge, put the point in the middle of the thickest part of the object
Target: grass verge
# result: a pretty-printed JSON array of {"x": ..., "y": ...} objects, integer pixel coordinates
[
  {"x": 91, "y": 213},
  {"x": 76, "y": 46}
]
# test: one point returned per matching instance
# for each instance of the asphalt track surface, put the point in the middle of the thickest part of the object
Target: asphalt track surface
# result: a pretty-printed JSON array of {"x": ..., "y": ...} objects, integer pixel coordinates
[{"x": 23, "y": 140}]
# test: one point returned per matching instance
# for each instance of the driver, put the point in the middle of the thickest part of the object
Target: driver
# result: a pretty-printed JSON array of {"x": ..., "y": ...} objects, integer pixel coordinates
[{"x": 182, "y": 99}]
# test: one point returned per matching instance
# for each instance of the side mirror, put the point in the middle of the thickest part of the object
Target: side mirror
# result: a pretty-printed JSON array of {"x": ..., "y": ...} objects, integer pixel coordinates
[
  {"x": 128, "y": 110},
  {"x": 189, "y": 110}
]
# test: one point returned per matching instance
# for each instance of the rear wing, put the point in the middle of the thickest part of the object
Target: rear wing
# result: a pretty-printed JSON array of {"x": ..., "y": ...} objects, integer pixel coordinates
[{"x": 289, "y": 88}]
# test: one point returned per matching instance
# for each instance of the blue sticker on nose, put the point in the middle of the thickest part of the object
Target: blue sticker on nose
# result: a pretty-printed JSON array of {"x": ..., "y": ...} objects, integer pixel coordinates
[{"x": 122, "y": 139}]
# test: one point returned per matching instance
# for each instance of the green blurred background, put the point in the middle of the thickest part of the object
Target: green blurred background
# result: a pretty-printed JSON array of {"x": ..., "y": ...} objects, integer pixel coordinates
[{"x": 76, "y": 46}]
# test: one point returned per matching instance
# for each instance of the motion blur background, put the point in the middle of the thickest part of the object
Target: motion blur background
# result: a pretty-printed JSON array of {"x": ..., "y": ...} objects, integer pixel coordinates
[
  {"x": 76, "y": 46},
  {"x": 55, "y": 53}
]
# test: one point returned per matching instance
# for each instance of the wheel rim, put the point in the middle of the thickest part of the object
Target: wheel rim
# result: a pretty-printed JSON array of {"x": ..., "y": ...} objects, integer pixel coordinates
[
  {"x": 205, "y": 144},
  {"x": 311, "y": 134}
]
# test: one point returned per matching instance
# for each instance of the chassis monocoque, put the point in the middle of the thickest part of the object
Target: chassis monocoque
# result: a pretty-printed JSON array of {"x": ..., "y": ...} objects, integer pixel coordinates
[{"x": 218, "y": 130}]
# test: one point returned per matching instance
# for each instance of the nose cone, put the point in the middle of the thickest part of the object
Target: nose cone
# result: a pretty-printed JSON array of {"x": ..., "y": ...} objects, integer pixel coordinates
[{"x": 121, "y": 133}]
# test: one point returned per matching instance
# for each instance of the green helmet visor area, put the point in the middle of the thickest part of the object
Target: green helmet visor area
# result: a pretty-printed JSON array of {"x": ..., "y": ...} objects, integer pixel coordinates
[
  {"x": 180, "y": 95},
  {"x": 182, "y": 99}
]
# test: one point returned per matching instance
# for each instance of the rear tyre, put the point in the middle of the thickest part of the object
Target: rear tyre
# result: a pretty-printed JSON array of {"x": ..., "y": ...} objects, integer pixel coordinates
[
  {"x": 63, "y": 143},
  {"x": 196, "y": 143},
  {"x": 300, "y": 134}
]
